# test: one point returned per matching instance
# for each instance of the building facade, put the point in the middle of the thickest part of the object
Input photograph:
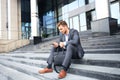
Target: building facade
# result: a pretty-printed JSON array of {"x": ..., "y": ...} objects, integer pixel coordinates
[
  {"x": 10, "y": 19},
  {"x": 24, "y": 19}
]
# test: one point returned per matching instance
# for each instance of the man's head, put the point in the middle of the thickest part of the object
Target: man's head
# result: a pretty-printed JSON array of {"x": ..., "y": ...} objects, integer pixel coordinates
[{"x": 63, "y": 27}]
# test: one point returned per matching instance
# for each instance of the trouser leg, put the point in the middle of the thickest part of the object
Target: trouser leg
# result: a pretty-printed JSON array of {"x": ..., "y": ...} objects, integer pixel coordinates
[
  {"x": 51, "y": 56},
  {"x": 70, "y": 52}
]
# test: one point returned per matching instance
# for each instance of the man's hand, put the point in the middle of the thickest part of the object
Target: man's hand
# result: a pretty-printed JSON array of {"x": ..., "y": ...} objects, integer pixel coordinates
[
  {"x": 62, "y": 44},
  {"x": 55, "y": 44}
]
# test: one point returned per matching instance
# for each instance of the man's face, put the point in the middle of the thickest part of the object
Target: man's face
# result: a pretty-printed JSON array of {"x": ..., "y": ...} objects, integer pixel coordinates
[{"x": 62, "y": 29}]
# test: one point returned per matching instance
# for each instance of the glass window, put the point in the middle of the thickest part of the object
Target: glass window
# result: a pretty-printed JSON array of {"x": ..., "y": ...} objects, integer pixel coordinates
[
  {"x": 49, "y": 22},
  {"x": 81, "y": 3},
  {"x": 60, "y": 18},
  {"x": 76, "y": 23},
  {"x": 93, "y": 15},
  {"x": 60, "y": 11},
  {"x": 65, "y": 16},
  {"x": 90, "y": 1},
  {"x": 69, "y": 1},
  {"x": 82, "y": 19},
  {"x": 65, "y": 9},
  {"x": 115, "y": 13},
  {"x": 67, "y": 21},
  {"x": 71, "y": 26},
  {"x": 73, "y": 5},
  {"x": 26, "y": 30},
  {"x": 83, "y": 24}
]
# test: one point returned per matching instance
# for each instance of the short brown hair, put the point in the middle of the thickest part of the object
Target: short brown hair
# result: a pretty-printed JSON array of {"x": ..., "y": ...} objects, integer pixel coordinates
[{"x": 61, "y": 23}]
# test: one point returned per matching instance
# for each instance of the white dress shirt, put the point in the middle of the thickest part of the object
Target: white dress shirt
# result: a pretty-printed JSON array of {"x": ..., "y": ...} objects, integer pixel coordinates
[{"x": 66, "y": 39}]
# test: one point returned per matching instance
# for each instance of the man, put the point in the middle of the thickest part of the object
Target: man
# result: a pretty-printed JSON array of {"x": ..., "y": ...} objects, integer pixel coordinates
[{"x": 70, "y": 41}]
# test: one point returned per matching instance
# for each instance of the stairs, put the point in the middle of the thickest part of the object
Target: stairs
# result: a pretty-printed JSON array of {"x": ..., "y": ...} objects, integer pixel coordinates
[{"x": 101, "y": 61}]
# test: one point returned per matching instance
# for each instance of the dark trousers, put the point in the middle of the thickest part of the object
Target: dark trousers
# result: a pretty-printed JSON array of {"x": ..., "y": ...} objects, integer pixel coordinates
[{"x": 71, "y": 53}]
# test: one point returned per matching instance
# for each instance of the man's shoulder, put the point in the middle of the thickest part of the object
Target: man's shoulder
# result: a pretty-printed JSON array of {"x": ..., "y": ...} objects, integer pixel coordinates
[{"x": 73, "y": 30}]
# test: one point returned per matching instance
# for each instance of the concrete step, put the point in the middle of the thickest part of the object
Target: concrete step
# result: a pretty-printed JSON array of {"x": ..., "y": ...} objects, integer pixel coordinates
[
  {"x": 99, "y": 50},
  {"x": 3, "y": 77},
  {"x": 110, "y": 60},
  {"x": 104, "y": 51},
  {"x": 103, "y": 38},
  {"x": 101, "y": 61},
  {"x": 88, "y": 50},
  {"x": 102, "y": 73},
  {"x": 95, "y": 41},
  {"x": 106, "y": 61},
  {"x": 89, "y": 43},
  {"x": 15, "y": 74},
  {"x": 89, "y": 47},
  {"x": 32, "y": 47},
  {"x": 79, "y": 69},
  {"x": 111, "y": 57},
  {"x": 100, "y": 39},
  {"x": 33, "y": 71},
  {"x": 102, "y": 46}
]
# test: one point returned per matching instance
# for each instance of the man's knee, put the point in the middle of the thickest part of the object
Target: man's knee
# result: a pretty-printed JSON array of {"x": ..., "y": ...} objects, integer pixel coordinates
[
  {"x": 70, "y": 46},
  {"x": 56, "y": 49}
]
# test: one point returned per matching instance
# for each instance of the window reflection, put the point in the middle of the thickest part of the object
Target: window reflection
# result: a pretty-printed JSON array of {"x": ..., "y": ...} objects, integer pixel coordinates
[
  {"x": 25, "y": 19},
  {"x": 81, "y": 3},
  {"x": 71, "y": 25},
  {"x": 73, "y": 5},
  {"x": 82, "y": 19},
  {"x": 48, "y": 23},
  {"x": 115, "y": 13},
  {"x": 26, "y": 30},
  {"x": 90, "y": 1},
  {"x": 93, "y": 13},
  {"x": 90, "y": 16},
  {"x": 83, "y": 22},
  {"x": 76, "y": 23}
]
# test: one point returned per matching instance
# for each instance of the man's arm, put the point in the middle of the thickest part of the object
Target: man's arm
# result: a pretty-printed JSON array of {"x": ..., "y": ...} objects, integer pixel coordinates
[
  {"x": 59, "y": 42},
  {"x": 75, "y": 38}
]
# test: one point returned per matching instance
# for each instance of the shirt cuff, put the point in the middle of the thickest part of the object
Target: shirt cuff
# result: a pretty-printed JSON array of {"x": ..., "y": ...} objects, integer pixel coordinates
[{"x": 64, "y": 43}]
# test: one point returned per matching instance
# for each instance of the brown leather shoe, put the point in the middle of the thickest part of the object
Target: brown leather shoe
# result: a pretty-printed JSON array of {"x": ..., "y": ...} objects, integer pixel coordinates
[
  {"x": 45, "y": 70},
  {"x": 62, "y": 74}
]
